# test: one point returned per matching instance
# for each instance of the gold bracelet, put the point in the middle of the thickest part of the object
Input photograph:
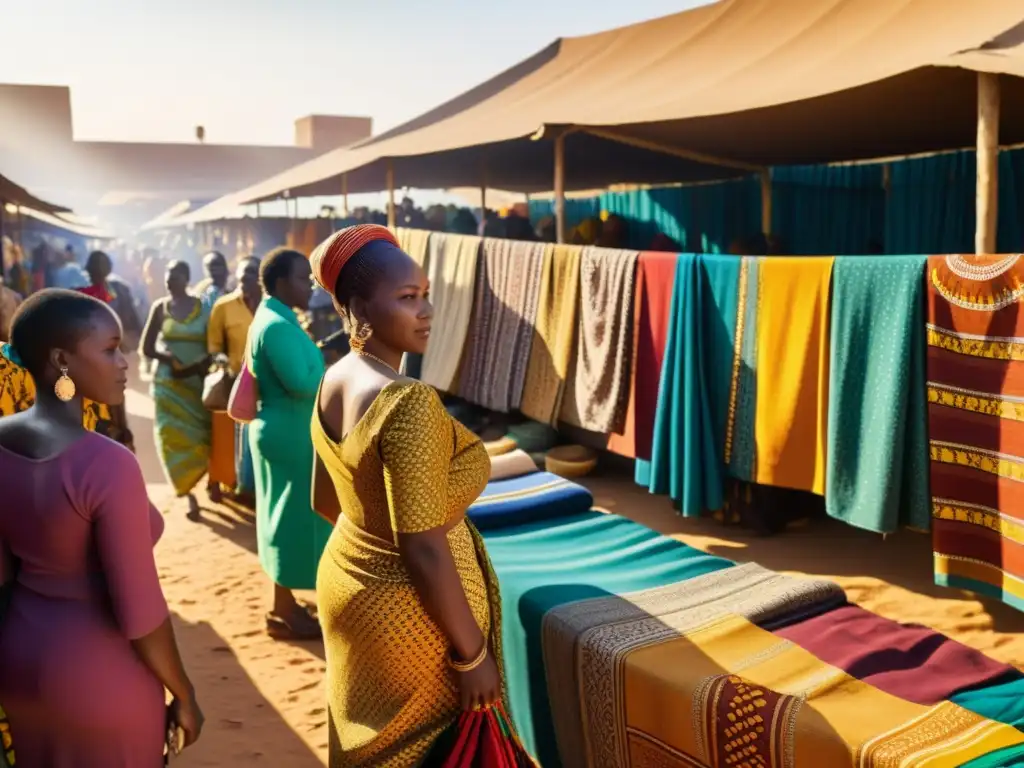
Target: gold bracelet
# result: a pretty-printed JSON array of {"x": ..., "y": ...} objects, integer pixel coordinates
[{"x": 469, "y": 666}]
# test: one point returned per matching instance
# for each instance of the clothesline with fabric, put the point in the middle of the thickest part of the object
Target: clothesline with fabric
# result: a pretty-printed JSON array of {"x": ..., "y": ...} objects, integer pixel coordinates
[{"x": 800, "y": 373}]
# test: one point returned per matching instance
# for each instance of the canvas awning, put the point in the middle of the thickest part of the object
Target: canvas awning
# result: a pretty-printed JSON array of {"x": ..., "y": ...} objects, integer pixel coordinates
[
  {"x": 15, "y": 195},
  {"x": 740, "y": 83}
]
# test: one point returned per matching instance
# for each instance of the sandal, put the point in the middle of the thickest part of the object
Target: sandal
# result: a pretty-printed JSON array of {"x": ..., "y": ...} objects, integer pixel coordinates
[{"x": 280, "y": 628}]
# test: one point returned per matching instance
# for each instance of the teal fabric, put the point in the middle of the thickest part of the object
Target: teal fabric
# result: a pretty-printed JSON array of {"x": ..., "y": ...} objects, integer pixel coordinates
[
  {"x": 877, "y": 395},
  {"x": 1004, "y": 704},
  {"x": 743, "y": 453},
  {"x": 544, "y": 565},
  {"x": 930, "y": 206},
  {"x": 683, "y": 423},
  {"x": 288, "y": 367},
  {"x": 720, "y": 285}
]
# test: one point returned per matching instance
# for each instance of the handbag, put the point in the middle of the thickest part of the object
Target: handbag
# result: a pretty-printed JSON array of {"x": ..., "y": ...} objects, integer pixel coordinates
[
  {"x": 245, "y": 394},
  {"x": 480, "y": 739},
  {"x": 217, "y": 387}
]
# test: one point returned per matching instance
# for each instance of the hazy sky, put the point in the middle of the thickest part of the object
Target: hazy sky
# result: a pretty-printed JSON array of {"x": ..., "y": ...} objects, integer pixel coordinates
[{"x": 151, "y": 70}]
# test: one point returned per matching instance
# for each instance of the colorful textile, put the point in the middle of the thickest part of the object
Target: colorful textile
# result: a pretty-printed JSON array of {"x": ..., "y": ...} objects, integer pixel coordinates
[
  {"x": 683, "y": 434},
  {"x": 182, "y": 423},
  {"x": 406, "y": 467},
  {"x": 655, "y": 279},
  {"x": 597, "y": 390},
  {"x": 222, "y": 450},
  {"x": 912, "y": 662},
  {"x": 527, "y": 499},
  {"x": 244, "y": 470},
  {"x": 547, "y": 564},
  {"x": 327, "y": 259},
  {"x": 656, "y": 615},
  {"x": 1003, "y": 703},
  {"x": 228, "y": 329},
  {"x": 735, "y": 690},
  {"x": 792, "y": 372},
  {"x": 288, "y": 367},
  {"x": 554, "y": 336},
  {"x": 507, "y": 288},
  {"x": 740, "y": 441},
  {"x": 479, "y": 739},
  {"x": 511, "y": 464},
  {"x": 453, "y": 263},
  {"x": 877, "y": 395},
  {"x": 976, "y": 423}
]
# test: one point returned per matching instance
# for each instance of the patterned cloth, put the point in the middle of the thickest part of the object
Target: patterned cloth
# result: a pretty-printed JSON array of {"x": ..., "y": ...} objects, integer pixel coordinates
[
  {"x": 529, "y": 498},
  {"x": 976, "y": 423},
  {"x": 182, "y": 423},
  {"x": 740, "y": 454},
  {"x": 654, "y": 616},
  {"x": 405, "y": 467},
  {"x": 508, "y": 285},
  {"x": 597, "y": 390},
  {"x": 877, "y": 395},
  {"x": 554, "y": 335}
]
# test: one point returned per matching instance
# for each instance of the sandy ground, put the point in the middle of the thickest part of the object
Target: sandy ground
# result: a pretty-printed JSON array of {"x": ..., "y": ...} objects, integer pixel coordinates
[{"x": 264, "y": 699}]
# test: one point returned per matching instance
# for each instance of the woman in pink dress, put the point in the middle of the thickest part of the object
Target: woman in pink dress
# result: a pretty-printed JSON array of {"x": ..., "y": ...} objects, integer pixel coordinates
[{"x": 86, "y": 644}]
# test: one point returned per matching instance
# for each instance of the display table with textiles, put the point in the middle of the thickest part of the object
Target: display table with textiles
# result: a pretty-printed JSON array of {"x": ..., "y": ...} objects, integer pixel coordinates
[{"x": 624, "y": 648}]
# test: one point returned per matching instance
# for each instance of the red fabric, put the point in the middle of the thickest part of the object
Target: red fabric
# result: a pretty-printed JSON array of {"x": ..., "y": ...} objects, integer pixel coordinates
[
  {"x": 655, "y": 280},
  {"x": 98, "y": 292},
  {"x": 328, "y": 258},
  {"x": 912, "y": 662},
  {"x": 480, "y": 740}
]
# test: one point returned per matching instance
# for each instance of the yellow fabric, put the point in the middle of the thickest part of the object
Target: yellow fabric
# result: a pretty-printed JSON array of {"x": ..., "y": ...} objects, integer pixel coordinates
[
  {"x": 842, "y": 721},
  {"x": 18, "y": 393},
  {"x": 792, "y": 372},
  {"x": 406, "y": 466},
  {"x": 554, "y": 336},
  {"x": 414, "y": 242},
  {"x": 228, "y": 330}
]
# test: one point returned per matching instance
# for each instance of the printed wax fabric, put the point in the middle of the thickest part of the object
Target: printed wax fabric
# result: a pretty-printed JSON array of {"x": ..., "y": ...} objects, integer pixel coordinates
[{"x": 976, "y": 423}]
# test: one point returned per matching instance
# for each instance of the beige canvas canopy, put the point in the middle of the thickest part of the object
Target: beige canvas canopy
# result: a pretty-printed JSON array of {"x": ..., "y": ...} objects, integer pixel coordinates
[{"x": 719, "y": 90}]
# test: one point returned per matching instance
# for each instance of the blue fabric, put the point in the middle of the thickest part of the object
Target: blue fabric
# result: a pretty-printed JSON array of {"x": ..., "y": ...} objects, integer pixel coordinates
[
  {"x": 527, "y": 499},
  {"x": 684, "y": 436},
  {"x": 1004, "y": 704},
  {"x": 544, "y": 565},
  {"x": 244, "y": 471},
  {"x": 720, "y": 286}
]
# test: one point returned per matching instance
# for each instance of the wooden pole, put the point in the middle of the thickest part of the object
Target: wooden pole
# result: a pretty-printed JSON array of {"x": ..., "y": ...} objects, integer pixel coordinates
[
  {"x": 392, "y": 216},
  {"x": 766, "y": 201},
  {"x": 987, "y": 211},
  {"x": 560, "y": 188},
  {"x": 259, "y": 212},
  {"x": 344, "y": 195}
]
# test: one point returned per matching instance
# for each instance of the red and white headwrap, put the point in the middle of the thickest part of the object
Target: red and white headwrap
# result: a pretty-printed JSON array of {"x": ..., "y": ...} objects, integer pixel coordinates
[{"x": 328, "y": 258}]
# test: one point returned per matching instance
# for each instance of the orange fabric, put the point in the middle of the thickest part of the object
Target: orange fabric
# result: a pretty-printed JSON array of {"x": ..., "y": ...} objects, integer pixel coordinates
[
  {"x": 222, "y": 451},
  {"x": 328, "y": 258}
]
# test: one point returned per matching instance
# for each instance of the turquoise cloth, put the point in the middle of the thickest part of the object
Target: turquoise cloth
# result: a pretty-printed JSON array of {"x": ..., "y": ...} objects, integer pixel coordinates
[
  {"x": 1004, "y": 704},
  {"x": 877, "y": 471},
  {"x": 744, "y": 449},
  {"x": 288, "y": 367},
  {"x": 684, "y": 441},
  {"x": 544, "y": 565},
  {"x": 720, "y": 285}
]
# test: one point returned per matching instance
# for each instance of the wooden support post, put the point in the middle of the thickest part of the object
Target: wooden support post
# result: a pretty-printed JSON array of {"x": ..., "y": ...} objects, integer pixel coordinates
[
  {"x": 560, "y": 188},
  {"x": 766, "y": 201},
  {"x": 344, "y": 195},
  {"x": 259, "y": 210},
  {"x": 392, "y": 215},
  {"x": 987, "y": 210}
]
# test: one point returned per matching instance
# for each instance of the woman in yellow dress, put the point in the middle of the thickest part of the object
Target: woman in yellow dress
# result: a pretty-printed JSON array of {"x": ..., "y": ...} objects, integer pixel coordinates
[{"x": 408, "y": 601}]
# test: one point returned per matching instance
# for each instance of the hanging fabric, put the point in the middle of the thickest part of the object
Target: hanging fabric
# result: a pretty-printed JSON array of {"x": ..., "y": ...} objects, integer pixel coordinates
[
  {"x": 684, "y": 463},
  {"x": 453, "y": 261},
  {"x": 655, "y": 279},
  {"x": 739, "y": 451},
  {"x": 414, "y": 242},
  {"x": 976, "y": 423},
  {"x": 877, "y": 475},
  {"x": 507, "y": 287},
  {"x": 554, "y": 336},
  {"x": 792, "y": 372},
  {"x": 597, "y": 390}
]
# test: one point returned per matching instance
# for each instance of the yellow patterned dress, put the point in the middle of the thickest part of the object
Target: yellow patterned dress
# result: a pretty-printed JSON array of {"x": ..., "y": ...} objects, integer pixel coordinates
[
  {"x": 18, "y": 393},
  {"x": 406, "y": 467}
]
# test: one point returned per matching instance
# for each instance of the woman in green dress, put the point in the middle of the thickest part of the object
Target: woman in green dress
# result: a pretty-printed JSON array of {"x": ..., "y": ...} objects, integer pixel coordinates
[
  {"x": 288, "y": 367},
  {"x": 175, "y": 337}
]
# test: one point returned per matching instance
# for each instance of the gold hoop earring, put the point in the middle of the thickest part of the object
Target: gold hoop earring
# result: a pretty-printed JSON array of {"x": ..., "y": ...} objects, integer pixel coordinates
[
  {"x": 65, "y": 388},
  {"x": 362, "y": 335}
]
